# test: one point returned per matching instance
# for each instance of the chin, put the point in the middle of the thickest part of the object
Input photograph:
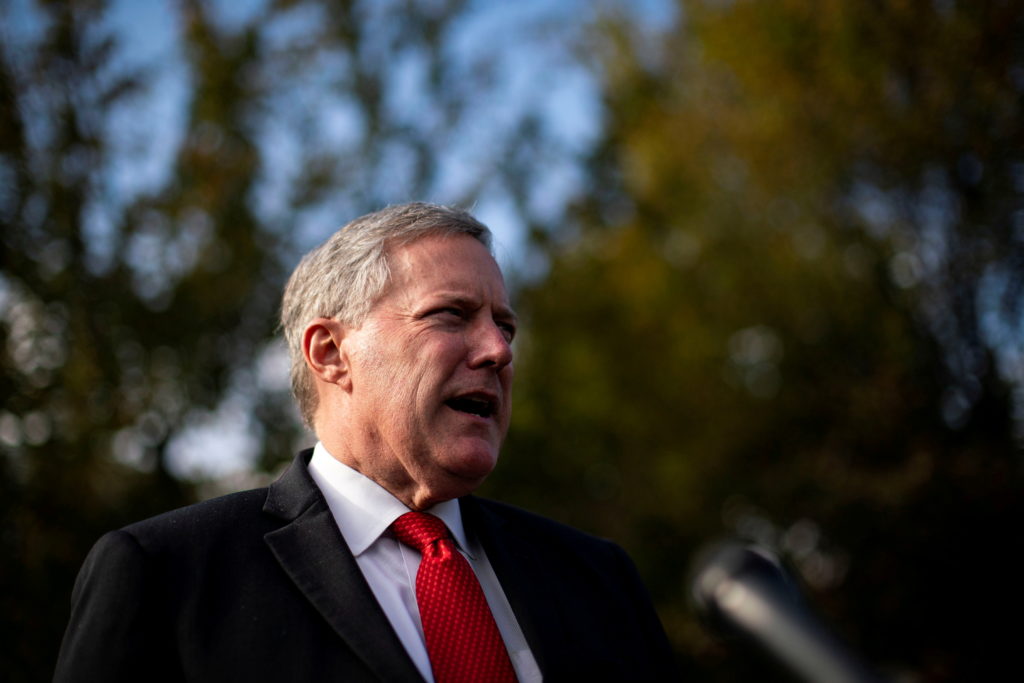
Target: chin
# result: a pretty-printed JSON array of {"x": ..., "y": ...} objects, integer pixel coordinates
[
  {"x": 472, "y": 466},
  {"x": 456, "y": 480}
]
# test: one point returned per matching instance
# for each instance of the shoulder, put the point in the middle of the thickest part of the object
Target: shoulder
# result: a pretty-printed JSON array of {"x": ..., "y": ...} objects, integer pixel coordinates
[
  {"x": 493, "y": 517},
  {"x": 585, "y": 583},
  {"x": 221, "y": 519},
  {"x": 200, "y": 544},
  {"x": 518, "y": 517},
  {"x": 221, "y": 528}
]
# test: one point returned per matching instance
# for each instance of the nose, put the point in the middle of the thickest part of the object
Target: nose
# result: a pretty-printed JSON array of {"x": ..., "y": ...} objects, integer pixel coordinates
[{"x": 489, "y": 346}]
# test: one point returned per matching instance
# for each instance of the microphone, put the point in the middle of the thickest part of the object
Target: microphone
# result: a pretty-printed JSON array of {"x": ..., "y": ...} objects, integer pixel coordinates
[{"x": 743, "y": 588}]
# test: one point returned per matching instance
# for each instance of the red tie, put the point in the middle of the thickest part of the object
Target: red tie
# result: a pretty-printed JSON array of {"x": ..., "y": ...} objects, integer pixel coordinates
[{"x": 463, "y": 641}]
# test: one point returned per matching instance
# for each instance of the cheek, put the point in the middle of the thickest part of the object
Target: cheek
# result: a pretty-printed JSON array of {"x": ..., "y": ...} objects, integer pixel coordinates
[
  {"x": 410, "y": 375},
  {"x": 417, "y": 385},
  {"x": 389, "y": 367}
]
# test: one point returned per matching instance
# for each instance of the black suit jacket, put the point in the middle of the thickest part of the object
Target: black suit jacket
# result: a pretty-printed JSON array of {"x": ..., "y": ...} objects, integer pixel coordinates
[{"x": 261, "y": 586}]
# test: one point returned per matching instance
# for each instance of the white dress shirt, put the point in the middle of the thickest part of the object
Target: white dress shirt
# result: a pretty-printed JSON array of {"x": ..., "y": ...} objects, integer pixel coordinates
[{"x": 363, "y": 511}]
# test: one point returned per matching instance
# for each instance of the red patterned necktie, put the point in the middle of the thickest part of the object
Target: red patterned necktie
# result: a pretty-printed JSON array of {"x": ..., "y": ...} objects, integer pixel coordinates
[{"x": 463, "y": 641}]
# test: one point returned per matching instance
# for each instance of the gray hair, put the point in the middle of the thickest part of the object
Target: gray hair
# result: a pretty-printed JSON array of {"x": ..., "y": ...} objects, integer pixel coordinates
[{"x": 345, "y": 276}]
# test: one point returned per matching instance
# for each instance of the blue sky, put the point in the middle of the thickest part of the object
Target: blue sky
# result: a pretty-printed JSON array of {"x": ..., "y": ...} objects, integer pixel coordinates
[
  {"x": 530, "y": 47},
  {"x": 532, "y": 43}
]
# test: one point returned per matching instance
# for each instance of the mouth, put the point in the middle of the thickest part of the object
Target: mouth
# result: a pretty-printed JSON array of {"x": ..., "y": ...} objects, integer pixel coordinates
[{"x": 477, "y": 404}]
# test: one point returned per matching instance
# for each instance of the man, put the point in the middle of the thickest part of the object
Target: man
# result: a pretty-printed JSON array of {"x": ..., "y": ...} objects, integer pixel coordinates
[{"x": 400, "y": 331}]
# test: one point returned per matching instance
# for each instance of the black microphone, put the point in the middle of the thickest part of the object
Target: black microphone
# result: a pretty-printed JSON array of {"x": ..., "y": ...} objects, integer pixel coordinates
[{"x": 743, "y": 588}]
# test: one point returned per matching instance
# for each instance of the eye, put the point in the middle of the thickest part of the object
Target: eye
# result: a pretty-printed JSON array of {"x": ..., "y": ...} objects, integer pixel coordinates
[
  {"x": 447, "y": 314},
  {"x": 508, "y": 330}
]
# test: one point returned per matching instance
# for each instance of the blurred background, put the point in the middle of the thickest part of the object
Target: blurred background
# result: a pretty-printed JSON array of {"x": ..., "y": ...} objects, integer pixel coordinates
[{"x": 769, "y": 258}]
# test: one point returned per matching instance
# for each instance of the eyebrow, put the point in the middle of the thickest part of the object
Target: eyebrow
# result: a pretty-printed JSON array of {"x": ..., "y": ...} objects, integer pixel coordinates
[{"x": 501, "y": 311}]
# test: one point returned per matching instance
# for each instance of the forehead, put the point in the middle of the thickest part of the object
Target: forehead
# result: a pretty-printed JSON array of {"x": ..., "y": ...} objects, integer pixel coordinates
[{"x": 445, "y": 261}]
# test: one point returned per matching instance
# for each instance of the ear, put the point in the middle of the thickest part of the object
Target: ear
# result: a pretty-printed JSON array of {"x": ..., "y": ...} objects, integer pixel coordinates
[{"x": 322, "y": 348}]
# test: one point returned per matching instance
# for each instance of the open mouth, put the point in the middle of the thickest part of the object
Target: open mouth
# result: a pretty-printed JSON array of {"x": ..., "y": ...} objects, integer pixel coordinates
[{"x": 474, "y": 405}]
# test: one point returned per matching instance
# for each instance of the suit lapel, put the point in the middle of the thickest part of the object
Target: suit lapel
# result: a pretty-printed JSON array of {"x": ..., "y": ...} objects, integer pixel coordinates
[
  {"x": 523, "y": 579},
  {"x": 313, "y": 553}
]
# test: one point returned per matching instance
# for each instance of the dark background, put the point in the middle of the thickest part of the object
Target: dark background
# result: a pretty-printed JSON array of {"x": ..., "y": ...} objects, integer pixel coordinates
[{"x": 769, "y": 273}]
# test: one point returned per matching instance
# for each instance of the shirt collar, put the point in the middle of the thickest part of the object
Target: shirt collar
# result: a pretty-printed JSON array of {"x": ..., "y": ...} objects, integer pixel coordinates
[{"x": 363, "y": 509}]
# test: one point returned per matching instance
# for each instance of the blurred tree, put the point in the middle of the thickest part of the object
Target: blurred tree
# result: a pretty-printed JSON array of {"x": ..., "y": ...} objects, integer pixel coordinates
[
  {"x": 777, "y": 313},
  {"x": 110, "y": 337},
  {"x": 133, "y": 311},
  {"x": 772, "y": 312}
]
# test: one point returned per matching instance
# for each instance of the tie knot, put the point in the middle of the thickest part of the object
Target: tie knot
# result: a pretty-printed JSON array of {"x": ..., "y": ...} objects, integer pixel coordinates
[{"x": 418, "y": 529}]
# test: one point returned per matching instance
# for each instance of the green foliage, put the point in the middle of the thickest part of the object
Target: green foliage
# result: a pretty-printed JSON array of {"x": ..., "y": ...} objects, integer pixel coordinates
[
  {"x": 785, "y": 306},
  {"x": 770, "y": 325},
  {"x": 132, "y": 309}
]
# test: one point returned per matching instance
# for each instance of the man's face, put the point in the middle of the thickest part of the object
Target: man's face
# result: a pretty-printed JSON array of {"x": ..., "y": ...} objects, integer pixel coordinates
[{"x": 431, "y": 372}]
